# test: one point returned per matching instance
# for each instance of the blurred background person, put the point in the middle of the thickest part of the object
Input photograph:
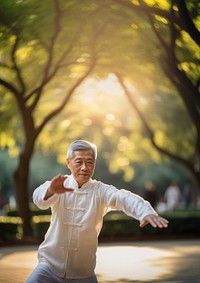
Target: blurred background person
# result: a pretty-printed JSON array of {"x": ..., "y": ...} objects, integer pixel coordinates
[
  {"x": 172, "y": 196},
  {"x": 150, "y": 193},
  {"x": 187, "y": 196}
]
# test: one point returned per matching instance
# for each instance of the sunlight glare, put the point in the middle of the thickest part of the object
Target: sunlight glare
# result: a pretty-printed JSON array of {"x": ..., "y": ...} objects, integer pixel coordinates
[
  {"x": 130, "y": 262},
  {"x": 65, "y": 123},
  {"x": 93, "y": 87},
  {"x": 110, "y": 117},
  {"x": 110, "y": 85}
]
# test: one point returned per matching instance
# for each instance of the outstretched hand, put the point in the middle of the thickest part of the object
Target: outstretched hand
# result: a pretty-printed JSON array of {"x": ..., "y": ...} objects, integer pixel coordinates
[
  {"x": 57, "y": 186},
  {"x": 155, "y": 221}
]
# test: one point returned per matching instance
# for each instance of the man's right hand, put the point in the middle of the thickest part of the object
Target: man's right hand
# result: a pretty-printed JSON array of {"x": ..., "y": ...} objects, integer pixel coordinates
[{"x": 57, "y": 187}]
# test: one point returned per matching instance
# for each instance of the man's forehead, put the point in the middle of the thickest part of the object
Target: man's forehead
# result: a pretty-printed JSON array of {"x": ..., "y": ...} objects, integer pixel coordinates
[{"x": 83, "y": 153}]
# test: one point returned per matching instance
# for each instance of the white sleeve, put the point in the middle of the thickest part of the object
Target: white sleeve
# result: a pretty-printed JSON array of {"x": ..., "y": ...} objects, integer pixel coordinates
[
  {"x": 39, "y": 194},
  {"x": 133, "y": 205},
  {"x": 128, "y": 202}
]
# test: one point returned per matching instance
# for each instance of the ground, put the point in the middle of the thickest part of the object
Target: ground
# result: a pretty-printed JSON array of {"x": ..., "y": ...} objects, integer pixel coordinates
[{"x": 153, "y": 261}]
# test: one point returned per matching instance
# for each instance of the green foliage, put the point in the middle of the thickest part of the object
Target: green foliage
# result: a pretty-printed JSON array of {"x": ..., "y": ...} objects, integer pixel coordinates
[
  {"x": 182, "y": 224},
  {"x": 116, "y": 225},
  {"x": 42, "y": 168},
  {"x": 9, "y": 228},
  {"x": 47, "y": 48},
  {"x": 45, "y": 167},
  {"x": 161, "y": 174},
  {"x": 33, "y": 22},
  {"x": 7, "y": 166}
]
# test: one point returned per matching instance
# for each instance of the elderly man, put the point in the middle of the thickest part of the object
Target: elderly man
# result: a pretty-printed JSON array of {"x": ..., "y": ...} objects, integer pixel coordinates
[{"x": 78, "y": 204}]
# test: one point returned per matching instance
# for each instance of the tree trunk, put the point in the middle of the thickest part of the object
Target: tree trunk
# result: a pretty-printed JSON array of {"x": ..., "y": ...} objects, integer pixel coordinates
[{"x": 21, "y": 182}]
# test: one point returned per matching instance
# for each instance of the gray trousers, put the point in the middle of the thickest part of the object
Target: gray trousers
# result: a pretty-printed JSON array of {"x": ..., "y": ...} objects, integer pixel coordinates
[{"x": 43, "y": 274}]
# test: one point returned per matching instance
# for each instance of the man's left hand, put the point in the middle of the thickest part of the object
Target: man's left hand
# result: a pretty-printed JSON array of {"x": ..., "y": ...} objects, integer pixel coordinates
[{"x": 155, "y": 221}]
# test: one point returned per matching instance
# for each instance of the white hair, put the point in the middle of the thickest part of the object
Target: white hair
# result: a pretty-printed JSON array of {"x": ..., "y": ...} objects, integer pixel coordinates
[{"x": 81, "y": 145}]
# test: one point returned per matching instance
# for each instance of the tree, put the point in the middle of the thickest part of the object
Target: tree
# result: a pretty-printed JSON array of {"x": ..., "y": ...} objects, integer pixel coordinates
[
  {"x": 30, "y": 64},
  {"x": 48, "y": 50},
  {"x": 178, "y": 39}
]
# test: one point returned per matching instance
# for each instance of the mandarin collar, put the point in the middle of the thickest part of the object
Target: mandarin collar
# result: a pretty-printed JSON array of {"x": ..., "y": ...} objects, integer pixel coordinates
[{"x": 74, "y": 183}]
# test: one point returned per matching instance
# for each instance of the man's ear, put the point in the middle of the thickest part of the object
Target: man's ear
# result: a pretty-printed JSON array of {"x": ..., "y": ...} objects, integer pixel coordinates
[{"x": 68, "y": 163}]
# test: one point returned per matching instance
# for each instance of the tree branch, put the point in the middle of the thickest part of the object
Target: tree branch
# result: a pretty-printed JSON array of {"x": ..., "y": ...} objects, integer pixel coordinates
[
  {"x": 176, "y": 75},
  {"x": 15, "y": 66},
  {"x": 134, "y": 105},
  {"x": 157, "y": 33},
  {"x": 181, "y": 18},
  {"x": 186, "y": 21},
  {"x": 183, "y": 90},
  {"x": 47, "y": 77},
  {"x": 57, "y": 20},
  {"x": 144, "y": 8},
  {"x": 4, "y": 65},
  {"x": 78, "y": 82},
  {"x": 63, "y": 56},
  {"x": 9, "y": 87},
  {"x": 37, "y": 91},
  {"x": 66, "y": 99},
  {"x": 150, "y": 132}
]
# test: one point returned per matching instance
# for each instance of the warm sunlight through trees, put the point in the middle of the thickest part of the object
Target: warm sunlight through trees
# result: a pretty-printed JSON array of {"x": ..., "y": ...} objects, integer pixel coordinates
[{"x": 124, "y": 74}]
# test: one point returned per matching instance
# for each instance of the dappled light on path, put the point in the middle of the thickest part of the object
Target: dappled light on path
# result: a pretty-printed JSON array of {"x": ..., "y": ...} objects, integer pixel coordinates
[
  {"x": 138, "y": 263},
  {"x": 170, "y": 261},
  {"x": 130, "y": 262}
]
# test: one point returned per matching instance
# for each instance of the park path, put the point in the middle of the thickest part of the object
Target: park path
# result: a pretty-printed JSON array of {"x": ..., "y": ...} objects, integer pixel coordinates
[{"x": 156, "y": 261}]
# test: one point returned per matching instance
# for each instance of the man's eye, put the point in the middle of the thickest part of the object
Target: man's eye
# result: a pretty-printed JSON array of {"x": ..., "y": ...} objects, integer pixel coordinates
[{"x": 90, "y": 163}]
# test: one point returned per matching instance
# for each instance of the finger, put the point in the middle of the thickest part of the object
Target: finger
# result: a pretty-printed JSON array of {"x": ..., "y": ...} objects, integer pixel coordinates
[
  {"x": 160, "y": 222},
  {"x": 61, "y": 190},
  {"x": 143, "y": 223},
  {"x": 153, "y": 222},
  {"x": 69, "y": 189},
  {"x": 164, "y": 222},
  {"x": 65, "y": 185},
  {"x": 58, "y": 177}
]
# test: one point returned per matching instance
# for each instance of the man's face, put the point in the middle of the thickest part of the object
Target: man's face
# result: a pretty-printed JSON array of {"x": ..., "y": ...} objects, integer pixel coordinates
[{"x": 82, "y": 166}]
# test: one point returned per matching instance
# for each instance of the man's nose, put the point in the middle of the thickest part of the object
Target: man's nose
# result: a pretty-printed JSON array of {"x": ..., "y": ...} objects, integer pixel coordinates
[{"x": 83, "y": 166}]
